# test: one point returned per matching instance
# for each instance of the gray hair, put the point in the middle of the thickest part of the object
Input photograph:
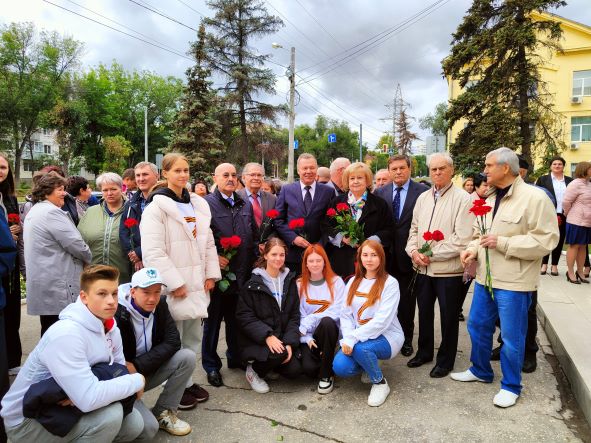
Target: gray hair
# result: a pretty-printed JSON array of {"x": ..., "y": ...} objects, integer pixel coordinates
[
  {"x": 152, "y": 166},
  {"x": 109, "y": 177},
  {"x": 306, "y": 156},
  {"x": 382, "y": 170},
  {"x": 443, "y": 155},
  {"x": 247, "y": 167},
  {"x": 339, "y": 162},
  {"x": 506, "y": 156}
]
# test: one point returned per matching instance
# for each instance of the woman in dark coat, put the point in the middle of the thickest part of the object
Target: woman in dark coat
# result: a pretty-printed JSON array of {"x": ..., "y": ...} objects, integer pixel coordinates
[
  {"x": 369, "y": 210},
  {"x": 268, "y": 317}
]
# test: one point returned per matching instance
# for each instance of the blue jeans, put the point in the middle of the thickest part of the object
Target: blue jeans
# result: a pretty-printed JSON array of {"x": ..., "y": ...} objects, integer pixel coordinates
[
  {"x": 511, "y": 308},
  {"x": 365, "y": 357}
]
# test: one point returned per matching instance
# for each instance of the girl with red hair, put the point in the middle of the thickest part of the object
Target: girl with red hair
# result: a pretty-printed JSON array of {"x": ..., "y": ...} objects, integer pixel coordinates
[
  {"x": 369, "y": 322},
  {"x": 321, "y": 297}
]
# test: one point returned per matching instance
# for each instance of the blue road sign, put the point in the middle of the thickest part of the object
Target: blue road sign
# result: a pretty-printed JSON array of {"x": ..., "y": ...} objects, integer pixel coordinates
[
  {"x": 332, "y": 138},
  {"x": 296, "y": 144}
]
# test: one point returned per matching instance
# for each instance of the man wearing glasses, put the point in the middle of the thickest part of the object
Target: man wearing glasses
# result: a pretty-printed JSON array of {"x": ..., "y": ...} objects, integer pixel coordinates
[{"x": 261, "y": 201}]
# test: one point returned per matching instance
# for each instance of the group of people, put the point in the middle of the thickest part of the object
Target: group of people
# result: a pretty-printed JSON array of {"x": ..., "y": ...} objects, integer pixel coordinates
[{"x": 143, "y": 280}]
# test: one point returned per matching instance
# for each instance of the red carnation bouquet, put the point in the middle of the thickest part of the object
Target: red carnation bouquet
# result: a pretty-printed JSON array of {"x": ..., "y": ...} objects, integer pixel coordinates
[
  {"x": 230, "y": 246},
  {"x": 13, "y": 219},
  {"x": 426, "y": 250},
  {"x": 480, "y": 209},
  {"x": 297, "y": 225},
  {"x": 270, "y": 216},
  {"x": 130, "y": 223},
  {"x": 346, "y": 224}
]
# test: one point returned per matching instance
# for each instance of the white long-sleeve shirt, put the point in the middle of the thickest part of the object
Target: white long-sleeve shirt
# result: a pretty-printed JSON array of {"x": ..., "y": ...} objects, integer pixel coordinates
[
  {"x": 360, "y": 323},
  {"x": 317, "y": 305}
]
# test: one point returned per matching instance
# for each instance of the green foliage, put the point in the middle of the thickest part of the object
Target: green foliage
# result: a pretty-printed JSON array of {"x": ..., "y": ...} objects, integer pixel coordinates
[
  {"x": 497, "y": 47},
  {"x": 117, "y": 149},
  {"x": 436, "y": 122},
  {"x": 69, "y": 119},
  {"x": 419, "y": 167}
]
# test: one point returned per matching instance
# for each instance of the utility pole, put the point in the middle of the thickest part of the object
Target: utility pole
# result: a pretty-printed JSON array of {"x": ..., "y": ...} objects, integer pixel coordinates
[
  {"x": 290, "y": 156},
  {"x": 360, "y": 142},
  {"x": 397, "y": 106},
  {"x": 146, "y": 133}
]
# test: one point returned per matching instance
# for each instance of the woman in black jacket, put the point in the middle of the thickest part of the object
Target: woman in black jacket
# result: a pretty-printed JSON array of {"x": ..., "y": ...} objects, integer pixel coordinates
[
  {"x": 268, "y": 316},
  {"x": 366, "y": 208}
]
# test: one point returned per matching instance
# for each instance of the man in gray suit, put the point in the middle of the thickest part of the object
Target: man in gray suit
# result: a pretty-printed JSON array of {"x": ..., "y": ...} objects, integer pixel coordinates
[{"x": 253, "y": 175}]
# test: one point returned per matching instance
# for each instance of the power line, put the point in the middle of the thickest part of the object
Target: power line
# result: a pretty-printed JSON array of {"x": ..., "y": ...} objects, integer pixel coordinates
[
  {"x": 191, "y": 8},
  {"x": 166, "y": 16}
]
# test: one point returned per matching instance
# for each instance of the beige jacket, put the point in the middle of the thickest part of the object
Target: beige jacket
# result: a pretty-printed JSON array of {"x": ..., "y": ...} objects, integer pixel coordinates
[
  {"x": 449, "y": 215},
  {"x": 168, "y": 245},
  {"x": 527, "y": 230}
]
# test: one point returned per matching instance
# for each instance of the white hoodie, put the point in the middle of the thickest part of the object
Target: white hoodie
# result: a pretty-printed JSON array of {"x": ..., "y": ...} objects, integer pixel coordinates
[{"x": 66, "y": 352}]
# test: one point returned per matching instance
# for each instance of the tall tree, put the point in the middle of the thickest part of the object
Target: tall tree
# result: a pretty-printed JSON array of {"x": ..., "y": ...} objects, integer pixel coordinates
[
  {"x": 33, "y": 72},
  {"x": 68, "y": 118},
  {"x": 197, "y": 130},
  {"x": 405, "y": 135},
  {"x": 497, "y": 51},
  {"x": 235, "y": 24},
  {"x": 436, "y": 122}
]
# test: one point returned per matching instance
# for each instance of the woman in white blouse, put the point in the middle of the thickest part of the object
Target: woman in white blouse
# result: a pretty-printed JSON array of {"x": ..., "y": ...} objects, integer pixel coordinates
[
  {"x": 369, "y": 322},
  {"x": 321, "y": 297}
]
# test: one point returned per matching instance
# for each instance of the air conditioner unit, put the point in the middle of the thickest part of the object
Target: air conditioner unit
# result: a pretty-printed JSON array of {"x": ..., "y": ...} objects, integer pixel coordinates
[
  {"x": 576, "y": 100},
  {"x": 574, "y": 146}
]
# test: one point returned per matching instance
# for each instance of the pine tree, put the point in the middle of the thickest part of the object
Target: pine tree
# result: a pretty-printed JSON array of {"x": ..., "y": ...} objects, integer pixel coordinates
[
  {"x": 234, "y": 25},
  {"x": 197, "y": 129},
  {"x": 405, "y": 136},
  {"x": 497, "y": 51}
]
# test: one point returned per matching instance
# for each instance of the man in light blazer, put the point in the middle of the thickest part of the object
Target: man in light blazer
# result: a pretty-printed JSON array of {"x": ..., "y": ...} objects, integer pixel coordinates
[
  {"x": 399, "y": 263},
  {"x": 261, "y": 201},
  {"x": 305, "y": 199}
]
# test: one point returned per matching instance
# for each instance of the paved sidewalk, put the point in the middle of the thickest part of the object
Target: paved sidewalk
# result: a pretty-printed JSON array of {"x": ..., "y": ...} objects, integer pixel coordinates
[{"x": 419, "y": 409}]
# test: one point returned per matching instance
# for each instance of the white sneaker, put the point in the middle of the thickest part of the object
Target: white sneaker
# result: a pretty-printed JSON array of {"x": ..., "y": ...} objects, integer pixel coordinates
[
  {"x": 505, "y": 399},
  {"x": 378, "y": 394},
  {"x": 14, "y": 371},
  {"x": 169, "y": 422},
  {"x": 325, "y": 385},
  {"x": 256, "y": 383},
  {"x": 465, "y": 376},
  {"x": 365, "y": 378}
]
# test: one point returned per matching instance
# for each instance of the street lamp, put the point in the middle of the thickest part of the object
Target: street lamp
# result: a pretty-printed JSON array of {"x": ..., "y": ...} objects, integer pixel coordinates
[
  {"x": 151, "y": 106},
  {"x": 291, "y": 75}
]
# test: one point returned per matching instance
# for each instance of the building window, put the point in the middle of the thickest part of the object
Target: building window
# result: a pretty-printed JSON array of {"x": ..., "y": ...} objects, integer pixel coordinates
[
  {"x": 28, "y": 165},
  {"x": 47, "y": 149},
  {"x": 580, "y": 129},
  {"x": 38, "y": 147},
  {"x": 581, "y": 83},
  {"x": 45, "y": 131}
]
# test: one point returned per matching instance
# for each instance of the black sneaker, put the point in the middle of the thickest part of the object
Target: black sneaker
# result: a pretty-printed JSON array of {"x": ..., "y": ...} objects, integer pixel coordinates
[
  {"x": 187, "y": 401},
  {"x": 198, "y": 392}
]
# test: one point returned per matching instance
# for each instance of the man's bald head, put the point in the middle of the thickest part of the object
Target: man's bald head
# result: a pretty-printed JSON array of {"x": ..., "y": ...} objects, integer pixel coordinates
[{"x": 225, "y": 178}]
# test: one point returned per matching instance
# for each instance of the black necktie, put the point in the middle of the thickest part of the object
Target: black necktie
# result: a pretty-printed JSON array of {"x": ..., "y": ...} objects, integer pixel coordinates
[
  {"x": 307, "y": 199},
  {"x": 396, "y": 204}
]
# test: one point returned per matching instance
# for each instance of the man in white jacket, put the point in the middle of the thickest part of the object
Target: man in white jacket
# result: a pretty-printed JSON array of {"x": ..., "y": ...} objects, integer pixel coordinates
[{"x": 84, "y": 336}]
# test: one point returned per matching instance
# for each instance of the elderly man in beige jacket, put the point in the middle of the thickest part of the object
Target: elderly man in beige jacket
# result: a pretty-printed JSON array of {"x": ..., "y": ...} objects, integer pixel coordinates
[
  {"x": 444, "y": 208},
  {"x": 522, "y": 228}
]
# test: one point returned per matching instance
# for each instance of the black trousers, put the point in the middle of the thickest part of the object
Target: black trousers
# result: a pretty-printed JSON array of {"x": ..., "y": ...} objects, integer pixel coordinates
[
  {"x": 407, "y": 305},
  {"x": 222, "y": 306},
  {"x": 4, "y": 384},
  {"x": 12, "y": 319},
  {"x": 291, "y": 369},
  {"x": 557, "y": 252},
  {"x": 465, "y": 288},
  {"x": 318, "y": 361},
  {"x": 447, "y": 291},
  {"x": 531, "y": 346},
  {"x": 47, "y": 321}
]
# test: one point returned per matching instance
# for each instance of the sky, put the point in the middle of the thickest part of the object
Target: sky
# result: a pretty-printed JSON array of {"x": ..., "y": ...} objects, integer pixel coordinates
[{"x": 347, "y": 66}]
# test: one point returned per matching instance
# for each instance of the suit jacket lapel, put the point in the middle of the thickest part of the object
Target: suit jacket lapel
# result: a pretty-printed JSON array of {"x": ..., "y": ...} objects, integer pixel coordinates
[
  {"x": 410, "y": 196},
  {"x": 298, "y": 190}
]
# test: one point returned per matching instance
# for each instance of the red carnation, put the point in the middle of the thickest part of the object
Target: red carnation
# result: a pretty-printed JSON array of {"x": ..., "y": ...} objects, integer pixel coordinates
[
  {"x": 559, "y": 220},
  {"x": 235, "y": 241},
  {"x": 479, "y": 202},
  {"x": 130, "y": 223},
  {"x": 427, "y": 236},
  {"x": 342, "y": 207},
  {"x": 272, "y": 214},
  {"x": 226, "y": 242},
  {"x": 331, "y": 212},
  {"x": 296, "y": 223},
  {"x": 14, "y": 219},
  {"x": 480, "y": 211},
  {"x": 438, "y": 235}
]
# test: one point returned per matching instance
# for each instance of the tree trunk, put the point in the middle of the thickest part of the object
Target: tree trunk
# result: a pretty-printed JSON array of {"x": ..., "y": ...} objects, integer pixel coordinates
[{"x": 524, "y": 113}]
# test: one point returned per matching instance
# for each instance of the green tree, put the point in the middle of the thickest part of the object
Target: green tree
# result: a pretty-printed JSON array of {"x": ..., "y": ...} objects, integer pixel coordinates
[
  {"x": 230, "y": 53},
  {"x": 68, "y": 118},
  {"x": 436, "y": 122},
  {"x": 34, "y": 70},
  {"x": 385, "y": 139},
  {"x": 197, "y": 130},
  {"x": 421, "y": 169},
  {"x": 117, "y": 150},
  {"x": 496, "y": 55}
]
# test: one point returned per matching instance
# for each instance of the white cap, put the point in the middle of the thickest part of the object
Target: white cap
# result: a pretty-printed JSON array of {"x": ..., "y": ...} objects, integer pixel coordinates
[{"x": 146, "y": 277}]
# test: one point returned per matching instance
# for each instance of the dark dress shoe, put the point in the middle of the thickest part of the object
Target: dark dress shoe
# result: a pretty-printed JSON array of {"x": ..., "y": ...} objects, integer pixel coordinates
[
  {"x": 529, "y": 364},
  {"x": 439, "y": 372},
  {"x": 407, "y": 349},
  {"x": 495, "y": 355},
  {"x": 214, "y": 378},
  {"x": 417, "y": 361}
]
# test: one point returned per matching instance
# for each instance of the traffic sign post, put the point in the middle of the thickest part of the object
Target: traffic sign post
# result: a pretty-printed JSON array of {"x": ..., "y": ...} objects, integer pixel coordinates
[
  {"x": 332, "y": 138},
  {"x": 296, "y": 144}
]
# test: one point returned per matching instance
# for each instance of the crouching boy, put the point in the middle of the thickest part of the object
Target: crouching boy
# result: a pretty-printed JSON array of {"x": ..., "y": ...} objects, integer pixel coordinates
[
  {"x": 84, "y": 337},
  {"x": 152, "y": 347}
]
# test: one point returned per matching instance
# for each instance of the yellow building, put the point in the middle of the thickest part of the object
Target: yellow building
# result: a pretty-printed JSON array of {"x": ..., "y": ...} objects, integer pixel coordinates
[{"x": 568, "y": 78}]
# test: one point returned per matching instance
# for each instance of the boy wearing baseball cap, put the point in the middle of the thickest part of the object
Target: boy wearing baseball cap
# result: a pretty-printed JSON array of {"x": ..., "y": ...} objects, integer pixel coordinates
[{"x": 152, "y": 347}]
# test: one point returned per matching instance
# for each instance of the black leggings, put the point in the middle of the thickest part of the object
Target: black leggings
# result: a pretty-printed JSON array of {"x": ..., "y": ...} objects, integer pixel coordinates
[
  {"x": 318, "y": 362},
  {"x": 47, "y": 321},
  {"x": 291, "y": 369},
  {"x": 557, "y": 252}
]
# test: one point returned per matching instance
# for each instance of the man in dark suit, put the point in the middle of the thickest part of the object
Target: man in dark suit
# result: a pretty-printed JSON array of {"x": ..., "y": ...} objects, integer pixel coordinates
[
  {"x": 262, "y": 202},
  {"x": 401, "y": 194},
  {"x": 305, "y": 199}
]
